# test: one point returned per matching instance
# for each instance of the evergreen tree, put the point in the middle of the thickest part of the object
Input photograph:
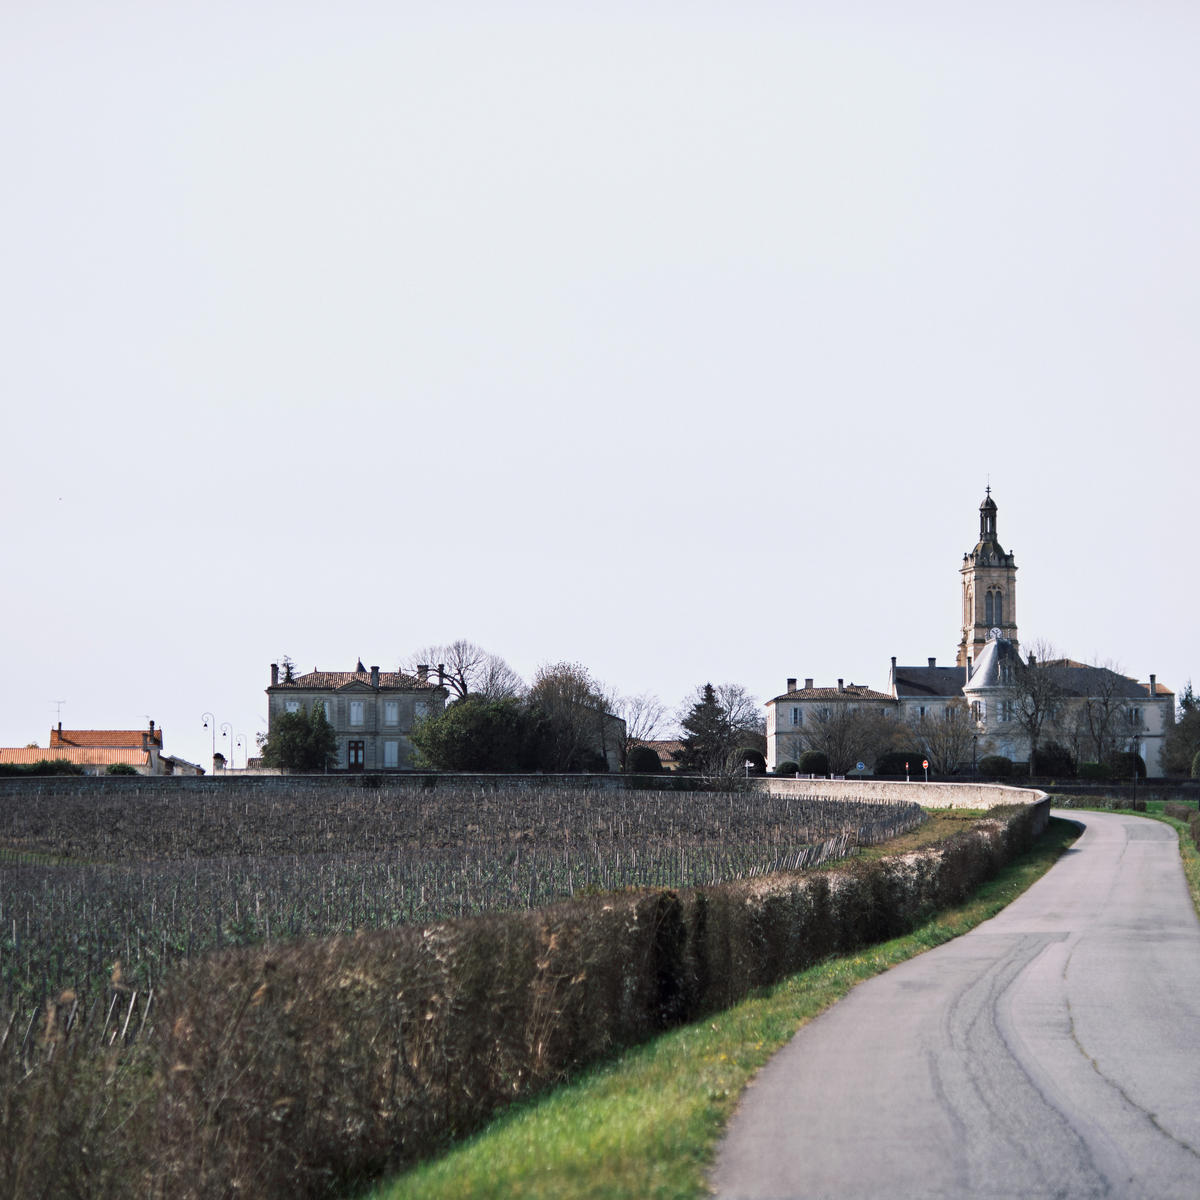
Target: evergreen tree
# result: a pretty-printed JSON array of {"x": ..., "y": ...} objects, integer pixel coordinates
[
  {"x": 301, "y": 741},
  {"x": 708, "y": 734}
]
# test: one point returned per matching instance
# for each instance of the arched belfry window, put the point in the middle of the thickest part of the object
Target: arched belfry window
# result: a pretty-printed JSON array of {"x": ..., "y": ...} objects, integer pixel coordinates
[
  {"x": 989, "y": 609},
  {"x": 999, "y": 609}
]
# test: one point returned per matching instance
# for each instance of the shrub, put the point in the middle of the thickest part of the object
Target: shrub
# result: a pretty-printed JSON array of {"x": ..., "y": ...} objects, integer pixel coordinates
[
  {"x": 1124, "y": 763},
  {"x": 1093, "y": 770},
  {"x": 1055, "y": 760},
  {"x": 44, "y": 766},
  {"x": 891, "y": 762},
  {"x": 120, "y": 769},
  {"x": 995, "y": 766},
  {"x": 1194, "y": 826},
  {"x": 643, "y": 760},
  {"x": 787, "y": 767},
  {"x": 1196, "y": 766},
  {"x": 1181, "y": 812},
  {"x": 814, "y": 762}
]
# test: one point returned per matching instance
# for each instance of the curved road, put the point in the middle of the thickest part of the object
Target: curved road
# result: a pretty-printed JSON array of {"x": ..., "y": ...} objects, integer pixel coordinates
[{"x": 1052, "y": 1051}]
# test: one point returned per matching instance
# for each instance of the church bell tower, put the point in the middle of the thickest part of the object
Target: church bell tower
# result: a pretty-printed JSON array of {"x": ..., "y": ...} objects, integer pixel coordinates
[{"x": 989, "y": 578}]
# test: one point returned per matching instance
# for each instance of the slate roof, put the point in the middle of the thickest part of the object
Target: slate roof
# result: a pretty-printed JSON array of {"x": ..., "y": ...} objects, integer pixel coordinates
[
  {"x": 930, "y": 681},
  {"x": 332, "y": 680},
  {"x": 852, "y": 691}
]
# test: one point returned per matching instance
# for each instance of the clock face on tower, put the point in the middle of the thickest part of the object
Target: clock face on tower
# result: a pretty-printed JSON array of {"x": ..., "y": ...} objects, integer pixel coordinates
[{"x": 993, "y": 634}]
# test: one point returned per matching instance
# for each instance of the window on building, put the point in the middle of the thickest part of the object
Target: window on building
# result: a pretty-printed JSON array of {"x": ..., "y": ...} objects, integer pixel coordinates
[
  {"x": 1135, "y": 716},
  {"x": 999, "y": 608},
  {"x": 391, "y": 713},
  {"x": 1006, "y": 710},
  {"x": 987, "y": 609},
  {"x": 797, "y": 716},
  {"x": 357, "y": 755},
  {"x": 420, "y": 709},
  {"x": 356, "y": 712},
  {"x": 328, "y": 710},
  {"x": 391, "y": 754},
  {"x": 293, "y": 706}
]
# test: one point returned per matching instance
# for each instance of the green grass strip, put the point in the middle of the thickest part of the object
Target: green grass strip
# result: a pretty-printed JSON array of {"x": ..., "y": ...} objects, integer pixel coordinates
[{"x": 646, "y": 1124}]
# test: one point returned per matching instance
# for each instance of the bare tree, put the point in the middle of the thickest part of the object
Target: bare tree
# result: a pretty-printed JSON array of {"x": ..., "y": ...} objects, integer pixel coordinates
[
  {"x": 946, "y": 738},
  {"x": 643, "y": 715},
  {"x": 850, "y": 733},
  {"x": 1105, "y": 716},
  {"x": 468, "y": 670},
  {"x": 578, "y": 727},
  {"x": 1038, "y": 694}
]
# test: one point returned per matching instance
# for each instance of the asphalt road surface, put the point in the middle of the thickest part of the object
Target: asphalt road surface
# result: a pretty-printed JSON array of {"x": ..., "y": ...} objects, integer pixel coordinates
[{"x": 1052, "y": 1051}]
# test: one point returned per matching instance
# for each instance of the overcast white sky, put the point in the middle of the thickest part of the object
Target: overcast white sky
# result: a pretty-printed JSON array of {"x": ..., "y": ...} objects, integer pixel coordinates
[{"x": 678, "y": 340}]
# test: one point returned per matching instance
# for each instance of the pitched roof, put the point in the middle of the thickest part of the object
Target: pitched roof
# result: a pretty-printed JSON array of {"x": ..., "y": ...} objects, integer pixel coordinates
[
  {"x": 930, "y": 681},
  {"x": 326, "y": 681},
  {"x": 132, "y": 738},
  {"x": 851, "y": 691},
  {"x": 84, "y": 756}
]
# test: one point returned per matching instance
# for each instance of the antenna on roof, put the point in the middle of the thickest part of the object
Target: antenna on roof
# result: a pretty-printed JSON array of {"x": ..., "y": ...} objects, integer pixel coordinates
[{"x": 59, "y": 704}]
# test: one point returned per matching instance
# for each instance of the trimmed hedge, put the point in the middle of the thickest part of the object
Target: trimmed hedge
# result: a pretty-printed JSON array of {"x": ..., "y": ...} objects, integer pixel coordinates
[
  {"x": 298, "y": 1070},
  {"x": 995, "y": 766}
]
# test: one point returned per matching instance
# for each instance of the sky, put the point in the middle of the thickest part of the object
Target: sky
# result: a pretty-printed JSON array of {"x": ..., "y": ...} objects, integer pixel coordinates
[{"x": 680, "y": 341}]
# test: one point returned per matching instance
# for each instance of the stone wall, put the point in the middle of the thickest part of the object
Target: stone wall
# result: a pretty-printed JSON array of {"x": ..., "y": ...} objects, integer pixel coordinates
[{"x": 927, "y": 795}]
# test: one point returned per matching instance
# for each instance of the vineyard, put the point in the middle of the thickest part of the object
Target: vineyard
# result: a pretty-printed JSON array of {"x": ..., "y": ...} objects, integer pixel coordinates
[{"x": 104, "y": 889}]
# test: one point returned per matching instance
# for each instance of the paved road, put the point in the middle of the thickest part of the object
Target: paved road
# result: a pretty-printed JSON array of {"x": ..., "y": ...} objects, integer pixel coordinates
[{"x": 1053, "y": 1051}]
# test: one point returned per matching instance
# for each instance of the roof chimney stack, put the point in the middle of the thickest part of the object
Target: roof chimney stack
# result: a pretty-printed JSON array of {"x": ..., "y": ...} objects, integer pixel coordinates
[
  {"x": 274, "y": 674},
  {"x": 441, "y": 674},
  {"x": 375, "y": 677},
  {"x": 808, "y": 683},
  {"x": 1153, "y": 686},
  {"x": 841, "y": 685},
  {"x": 933, "y": 662},
  {"x": 791, "y": 687},
  {"x": 422, "y": 672}
]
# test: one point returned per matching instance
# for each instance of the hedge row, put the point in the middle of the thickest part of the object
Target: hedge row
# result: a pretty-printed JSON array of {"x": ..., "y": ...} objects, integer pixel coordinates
[
  {"x": 303, "y": 1069},
  {"x": 293, "y": 1071}
]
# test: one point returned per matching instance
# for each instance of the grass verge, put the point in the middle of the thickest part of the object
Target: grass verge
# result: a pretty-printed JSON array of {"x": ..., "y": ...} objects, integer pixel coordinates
[{"x": 646, "y": 1124}]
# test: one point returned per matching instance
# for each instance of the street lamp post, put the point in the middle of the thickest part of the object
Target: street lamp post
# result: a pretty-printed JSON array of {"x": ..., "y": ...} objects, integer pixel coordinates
[
  {"x": 227, "y": 732},
  {"x": 210, "y": 723},
  {"x": 241, "y": 741},
  {"x": 1134, "y": 766}
]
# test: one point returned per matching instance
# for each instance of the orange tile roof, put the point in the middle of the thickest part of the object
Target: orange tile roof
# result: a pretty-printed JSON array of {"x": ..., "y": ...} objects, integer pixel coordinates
[
  {"x": 112, "y": 738},
  {"x": 84, "y": 756}
]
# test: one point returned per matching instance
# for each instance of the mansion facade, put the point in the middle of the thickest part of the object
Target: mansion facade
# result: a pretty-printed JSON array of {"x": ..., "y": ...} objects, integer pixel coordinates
[
  {"x": 980, "y": 705},
  {"x": 372, "y": 712}
]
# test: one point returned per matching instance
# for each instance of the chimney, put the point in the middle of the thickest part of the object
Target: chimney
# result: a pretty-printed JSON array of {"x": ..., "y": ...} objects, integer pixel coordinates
[
  {"x": 933, "y": 662},
  {"x": 1153, "y": 686},
  {"x": 808, "y": 684},
  {"x": 841, "y": 685},
  {"x": 274, "y": 674},
  {"x": 1032, "y": 660},
  {"x": 441, "y": 674},
  {"x": 375, "y": 677},
  {"x": 422, "y": 672},
  {"x": 791, "y": 687}
]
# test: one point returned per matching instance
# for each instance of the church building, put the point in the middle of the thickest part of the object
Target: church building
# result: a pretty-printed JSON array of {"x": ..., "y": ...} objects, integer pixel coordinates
[{"x": 980, "y": 705}]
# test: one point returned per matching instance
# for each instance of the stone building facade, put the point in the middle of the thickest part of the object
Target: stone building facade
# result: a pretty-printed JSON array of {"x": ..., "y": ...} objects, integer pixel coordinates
[
  {"x": 1093, "y": 706},
  {"x": 372, "y": 712}
]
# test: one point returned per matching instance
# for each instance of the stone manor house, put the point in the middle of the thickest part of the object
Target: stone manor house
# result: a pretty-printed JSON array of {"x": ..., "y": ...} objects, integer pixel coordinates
[
  {"x": 372, "y": 712},
  {"x": 981, "y": 687}
]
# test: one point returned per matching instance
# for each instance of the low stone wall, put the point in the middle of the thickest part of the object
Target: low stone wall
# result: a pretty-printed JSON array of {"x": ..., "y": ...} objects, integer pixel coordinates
[{"x": 927, "y": 795}]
